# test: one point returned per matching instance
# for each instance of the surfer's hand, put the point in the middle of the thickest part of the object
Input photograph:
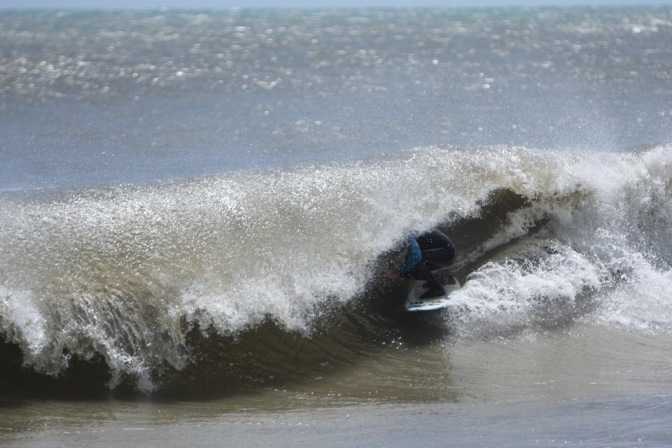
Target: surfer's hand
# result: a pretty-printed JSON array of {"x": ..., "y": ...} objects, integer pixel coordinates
[{"x": 391, "y": 273}]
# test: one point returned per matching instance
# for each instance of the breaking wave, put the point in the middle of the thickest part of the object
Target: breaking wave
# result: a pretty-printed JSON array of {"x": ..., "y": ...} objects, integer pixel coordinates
[{"x": 256, "y": 278}]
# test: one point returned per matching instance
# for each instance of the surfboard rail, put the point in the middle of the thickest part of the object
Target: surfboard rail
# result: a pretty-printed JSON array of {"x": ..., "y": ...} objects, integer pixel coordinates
[{"x": 416, "y": 289}]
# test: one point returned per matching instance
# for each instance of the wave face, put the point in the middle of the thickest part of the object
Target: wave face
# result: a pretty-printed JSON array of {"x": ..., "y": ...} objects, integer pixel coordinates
[{"x": 257, "y": 277}]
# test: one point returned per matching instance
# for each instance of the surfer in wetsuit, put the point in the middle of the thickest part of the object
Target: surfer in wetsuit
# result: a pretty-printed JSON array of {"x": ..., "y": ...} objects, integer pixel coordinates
[{"x": 426, "y": 253}]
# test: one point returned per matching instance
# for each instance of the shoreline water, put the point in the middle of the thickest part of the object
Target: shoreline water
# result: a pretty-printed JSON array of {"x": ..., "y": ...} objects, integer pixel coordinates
[
  {"x": 553, "y": 392},
  {"x": 590, "y": 422}
]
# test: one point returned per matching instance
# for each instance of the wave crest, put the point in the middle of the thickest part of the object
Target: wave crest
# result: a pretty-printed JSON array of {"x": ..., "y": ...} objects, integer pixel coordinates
[{"x": 156, "y": 281}]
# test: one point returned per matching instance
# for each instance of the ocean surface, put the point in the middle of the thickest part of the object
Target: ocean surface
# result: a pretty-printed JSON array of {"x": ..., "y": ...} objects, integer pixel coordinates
[{"x": 197, "y": 209}]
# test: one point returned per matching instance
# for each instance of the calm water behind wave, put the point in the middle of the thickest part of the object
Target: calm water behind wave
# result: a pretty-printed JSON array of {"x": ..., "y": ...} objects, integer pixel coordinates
[{"x": 90, "y": 97}]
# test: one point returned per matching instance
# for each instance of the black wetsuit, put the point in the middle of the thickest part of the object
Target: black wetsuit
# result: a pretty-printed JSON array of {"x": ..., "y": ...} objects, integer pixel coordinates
[{"x": 428, "y": 252}]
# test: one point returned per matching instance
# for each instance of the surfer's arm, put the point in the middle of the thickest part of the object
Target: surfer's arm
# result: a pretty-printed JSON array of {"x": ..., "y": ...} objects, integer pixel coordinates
[{"x": 413, "y": 256}]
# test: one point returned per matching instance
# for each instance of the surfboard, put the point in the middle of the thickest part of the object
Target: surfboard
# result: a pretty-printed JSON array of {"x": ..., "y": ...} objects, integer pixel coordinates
[{"x": 416, "y": 289}]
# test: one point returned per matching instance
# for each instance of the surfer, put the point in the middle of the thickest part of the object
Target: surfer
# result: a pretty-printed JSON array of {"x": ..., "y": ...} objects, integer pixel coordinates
[{"x": 426, "y": 253}]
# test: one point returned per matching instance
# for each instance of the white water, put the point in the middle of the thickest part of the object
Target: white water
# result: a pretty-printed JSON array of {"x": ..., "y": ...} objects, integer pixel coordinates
[{"x": 119, "y": 271}]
